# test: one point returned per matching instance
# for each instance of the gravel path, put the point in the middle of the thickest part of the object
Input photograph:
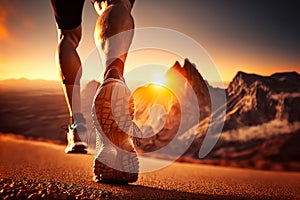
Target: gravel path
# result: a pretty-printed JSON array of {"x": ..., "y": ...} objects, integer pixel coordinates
[
  {"x": 38, "y": 189},
  {"x": 39, "y": 170}
]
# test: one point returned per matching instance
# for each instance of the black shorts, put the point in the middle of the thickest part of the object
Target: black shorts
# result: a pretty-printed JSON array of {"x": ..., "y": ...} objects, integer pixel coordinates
[{"x": 68, "y": 13}]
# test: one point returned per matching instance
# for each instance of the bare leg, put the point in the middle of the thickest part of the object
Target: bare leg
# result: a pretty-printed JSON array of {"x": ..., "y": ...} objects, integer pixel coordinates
[
  {"x": 114, "y": 19},
  {"x": 69, "y": 66},
  {"x": 112, "y": 110}
]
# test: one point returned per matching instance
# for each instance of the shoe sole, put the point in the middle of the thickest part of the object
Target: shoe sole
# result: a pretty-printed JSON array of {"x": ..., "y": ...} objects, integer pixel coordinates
[
  {"x": 116, "y": 122},
  {"x": 80, "y": 148},
  {"x": 128, "y": 174}
]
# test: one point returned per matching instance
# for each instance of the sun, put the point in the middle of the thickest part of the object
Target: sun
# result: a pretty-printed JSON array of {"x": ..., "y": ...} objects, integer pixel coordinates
[{"x": 159, "y": 78}]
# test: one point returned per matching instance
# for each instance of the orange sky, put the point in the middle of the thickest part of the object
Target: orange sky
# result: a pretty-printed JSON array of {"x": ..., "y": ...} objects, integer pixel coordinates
[{"x": 251, "y": 37}]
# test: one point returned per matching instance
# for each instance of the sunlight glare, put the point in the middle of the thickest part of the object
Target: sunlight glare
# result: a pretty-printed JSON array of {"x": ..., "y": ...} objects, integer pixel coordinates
[{"x": 159, "y": 78}]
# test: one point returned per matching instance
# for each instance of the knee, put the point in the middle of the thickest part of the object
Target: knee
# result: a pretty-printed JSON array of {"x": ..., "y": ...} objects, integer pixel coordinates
[
  {"x": 101, "y": 5},
  {"x": 114, "y": 20},
  {"x": 70, "y": 37}
]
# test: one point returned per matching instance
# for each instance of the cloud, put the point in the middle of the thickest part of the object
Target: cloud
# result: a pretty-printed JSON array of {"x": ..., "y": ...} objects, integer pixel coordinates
[
  {"x": 4, "y": 33},
  {"x": 13, "y": 17}
]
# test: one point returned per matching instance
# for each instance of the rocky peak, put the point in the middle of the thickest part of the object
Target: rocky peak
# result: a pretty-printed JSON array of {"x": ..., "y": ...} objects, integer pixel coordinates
[
  {"x": 286, "y": 82},
  {"x": 243, "y": 82},
  {"x": 189, "y": 105},
  {"x": 254, "y": 99},
  {"x": 286, "y": 75},
  {"x": 188, "y": 73},
  {"x": 276, "y": 83}
]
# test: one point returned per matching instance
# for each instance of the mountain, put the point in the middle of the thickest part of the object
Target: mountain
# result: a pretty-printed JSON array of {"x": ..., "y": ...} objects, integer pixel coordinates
[
  {"x": 262, "y": 121},
  {"x": 188, "y": 74},
  {"x": 164, "y": 112},
  {"x": 254, "y": 99}
]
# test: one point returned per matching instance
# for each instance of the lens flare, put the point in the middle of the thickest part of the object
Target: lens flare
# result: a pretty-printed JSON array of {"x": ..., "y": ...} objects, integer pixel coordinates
[{"x": 159, "y": 78}]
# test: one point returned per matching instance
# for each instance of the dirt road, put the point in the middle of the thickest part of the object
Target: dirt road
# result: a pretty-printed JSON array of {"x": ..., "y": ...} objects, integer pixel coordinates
[{"x": 41, "y": 167}]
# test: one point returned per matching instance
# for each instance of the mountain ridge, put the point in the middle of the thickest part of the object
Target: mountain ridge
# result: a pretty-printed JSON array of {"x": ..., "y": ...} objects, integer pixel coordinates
[
  {"x": 261, "y": 126},
  {"x": 261, "y": 111}
]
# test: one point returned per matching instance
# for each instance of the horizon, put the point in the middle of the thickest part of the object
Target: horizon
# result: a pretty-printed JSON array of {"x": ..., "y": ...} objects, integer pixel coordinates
[
  {"x": 140, "y": 83},
  {"x": 57, "y": 79}
]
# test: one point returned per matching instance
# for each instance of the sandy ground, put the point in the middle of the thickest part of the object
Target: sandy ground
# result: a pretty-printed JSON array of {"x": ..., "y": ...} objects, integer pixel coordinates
[{"x": 41, "y": 162}]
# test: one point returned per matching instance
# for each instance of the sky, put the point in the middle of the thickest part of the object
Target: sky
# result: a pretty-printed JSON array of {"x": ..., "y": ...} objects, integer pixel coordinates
[{"x": 254, "y": 36}]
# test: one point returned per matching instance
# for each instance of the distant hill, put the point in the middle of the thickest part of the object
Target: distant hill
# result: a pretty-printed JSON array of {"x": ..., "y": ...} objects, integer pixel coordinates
[
  {"x": 24, "y": 85},
  {"x": 33, "y": 108}
]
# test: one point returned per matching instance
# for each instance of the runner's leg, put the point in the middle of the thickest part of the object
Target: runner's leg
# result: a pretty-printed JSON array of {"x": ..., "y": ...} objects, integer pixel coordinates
[
  {"x": 114, "y": 18},
  {"x": 68, "y": 15}
]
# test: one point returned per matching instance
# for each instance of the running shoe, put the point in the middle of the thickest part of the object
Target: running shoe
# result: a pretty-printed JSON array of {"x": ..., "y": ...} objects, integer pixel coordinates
[
  {"x": 76, "y": 136},
  {"x": 113, "y": 109}
]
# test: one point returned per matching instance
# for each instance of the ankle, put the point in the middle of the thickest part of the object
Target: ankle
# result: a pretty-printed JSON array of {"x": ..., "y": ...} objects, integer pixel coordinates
[
  {"x": 114, "y": 69},
  {"x": 78, "y": 117},
  {"x": 114, "y": 73}
]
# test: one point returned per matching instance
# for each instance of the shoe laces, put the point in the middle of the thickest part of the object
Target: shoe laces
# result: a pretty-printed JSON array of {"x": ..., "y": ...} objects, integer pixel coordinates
[{"x": 78, "y": 126}]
